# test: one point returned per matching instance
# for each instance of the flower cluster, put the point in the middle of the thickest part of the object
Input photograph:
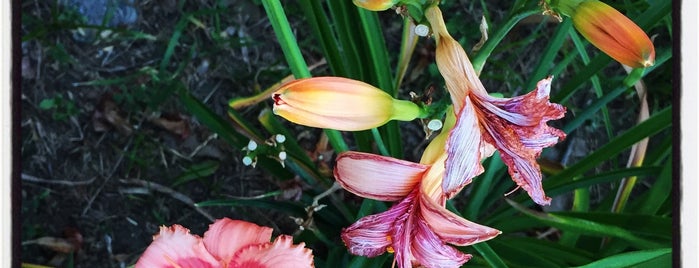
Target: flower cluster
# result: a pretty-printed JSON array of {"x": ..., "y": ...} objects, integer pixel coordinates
[
  {"x": 418, "y": 228},
  {"x": 227, "y": 244}
]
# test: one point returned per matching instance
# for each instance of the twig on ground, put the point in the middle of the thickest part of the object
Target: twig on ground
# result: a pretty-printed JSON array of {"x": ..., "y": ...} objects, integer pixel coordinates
[
  {"x": 30, "y": 178},
  {"x": 172, "y": 193},
  {"x": 109, "y": 176}
]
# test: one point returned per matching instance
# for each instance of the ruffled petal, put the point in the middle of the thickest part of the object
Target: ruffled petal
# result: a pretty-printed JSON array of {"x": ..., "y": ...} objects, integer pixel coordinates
[
  {"x": 517, "y": 128},
  {"x": 373, "y": 235},
  {"x": 281, "y": 253},
  {"x": 174, "y": 246},
  {"x": 377, "y": 177},
  {"x": 451, "y": 228},
  {"x": 225, "y": 237},
  {"x": 463, "y": 150},
  {"x": 430, "y": 251}
]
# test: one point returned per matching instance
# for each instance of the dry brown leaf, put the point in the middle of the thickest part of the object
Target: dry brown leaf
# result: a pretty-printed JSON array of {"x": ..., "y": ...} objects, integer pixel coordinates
[
  {"x": 175, "y": 123},
  {"x": 107, "y": 115}
]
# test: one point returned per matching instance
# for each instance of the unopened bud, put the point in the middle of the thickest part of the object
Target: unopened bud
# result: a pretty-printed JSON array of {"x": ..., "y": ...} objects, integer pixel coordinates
[
  {"x": 280, "y": 138},
  {"x": 434, "y": 125},
  {"x": 247, "y": 160},
  {"x": 422, "y": 30},
  {"x": 252, "y": 145}
]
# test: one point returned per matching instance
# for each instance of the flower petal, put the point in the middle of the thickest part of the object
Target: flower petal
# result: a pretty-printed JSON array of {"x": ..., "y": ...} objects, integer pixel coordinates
[
  {"x": 175, "y": 247},
  {"x": 372, "y": 235},
  {"x": 281, "y": 253},
  {"x": 452, "y": 61},
  {"x": 377, "y": 177},
  {"x": 430, "y": 251},
  {"x": 225, "y": 237},
  {"x": 463, "y": 149},
  {"x": 517, "y": 128},
  {"x": 451, "y": 228}
]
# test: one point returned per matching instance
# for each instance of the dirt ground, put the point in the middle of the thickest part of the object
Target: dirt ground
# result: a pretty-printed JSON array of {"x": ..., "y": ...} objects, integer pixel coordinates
[
  {"x": 108, "y": 154},
  {"x": 90, "y": 152}
]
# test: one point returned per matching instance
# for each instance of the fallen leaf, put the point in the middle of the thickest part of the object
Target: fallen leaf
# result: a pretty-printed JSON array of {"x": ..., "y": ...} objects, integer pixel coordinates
[
  {"x": 177, "y": 124},
  {"x": 107, "y": 115}
]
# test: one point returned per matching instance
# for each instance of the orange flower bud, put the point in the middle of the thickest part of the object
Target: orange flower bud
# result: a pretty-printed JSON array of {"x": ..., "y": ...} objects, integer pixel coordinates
[
  {"x": 339, "y": 103},
  {"x": 375, "y": 5},
  {"x": 614, "y": 34}
]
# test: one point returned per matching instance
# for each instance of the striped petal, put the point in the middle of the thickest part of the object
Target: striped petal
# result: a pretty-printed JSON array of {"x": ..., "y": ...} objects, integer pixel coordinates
[
  {"x": 463, "y": 150},
  {"x": 225, "y": 237},
  {"x": 175, "y": 247},
  {"x": 451, "y": 228},
  {"x": 377, "y": 177},
  {"x": 373, "y": 235},
  {"x": 430, "y": 251},
  {"x": 517, "y": 128}
]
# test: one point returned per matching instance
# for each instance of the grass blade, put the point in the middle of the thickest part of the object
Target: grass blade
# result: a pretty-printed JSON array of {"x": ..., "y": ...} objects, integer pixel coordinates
[{"x": 631, "y": 258}]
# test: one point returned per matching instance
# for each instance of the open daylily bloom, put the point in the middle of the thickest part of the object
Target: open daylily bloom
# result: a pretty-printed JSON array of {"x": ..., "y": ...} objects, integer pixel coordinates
[
  {"x": 339, "y": 103},
  {"x": 516, "y": 127},
  {"x": 227, "y": 244},
  {"x": 418, "y": 228},
  {"x": 375, "y": 5}
]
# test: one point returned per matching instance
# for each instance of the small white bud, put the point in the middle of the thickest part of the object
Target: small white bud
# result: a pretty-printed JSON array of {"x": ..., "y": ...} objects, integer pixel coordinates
[
  {"x": 247, "y": 161},
  {"x": 280, "y": 138},
  {"x": 434, "y": 125},
  {"x": 252, "y": 145},
  {"x": 422, "y": 30},
  {"x": 282, "y": 156}
]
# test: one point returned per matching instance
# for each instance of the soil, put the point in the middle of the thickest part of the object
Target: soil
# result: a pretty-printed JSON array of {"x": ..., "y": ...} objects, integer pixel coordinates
[{"x": 89, "y": 152}]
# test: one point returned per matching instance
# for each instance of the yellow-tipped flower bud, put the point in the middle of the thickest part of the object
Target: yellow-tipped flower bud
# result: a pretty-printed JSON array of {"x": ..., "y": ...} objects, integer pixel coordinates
[
  {"x": 375, "y": 5},
  {"x": 339, "y": 103},
  {"x": 613, "y": 33}
]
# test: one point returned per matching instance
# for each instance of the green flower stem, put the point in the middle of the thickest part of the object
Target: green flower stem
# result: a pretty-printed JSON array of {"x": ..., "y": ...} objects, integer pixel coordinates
[
  {"x": 381, "y": 71},
  {"x": 294, "y": 58}
]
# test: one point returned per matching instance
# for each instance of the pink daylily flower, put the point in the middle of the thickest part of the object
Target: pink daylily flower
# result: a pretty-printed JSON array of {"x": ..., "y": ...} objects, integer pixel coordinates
[
  {"x": 516, "y": 127},
  {"x": 418, "y": 228},
  {"x": 227, "y": 244}
]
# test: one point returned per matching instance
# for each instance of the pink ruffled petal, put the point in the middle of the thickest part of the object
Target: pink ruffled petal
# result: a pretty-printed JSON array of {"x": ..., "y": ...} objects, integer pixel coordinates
[
  {"x": 281, "y": 253},
  {"x": 517, "y": 128},
  {"x": 430, "y": 251},
  {"x": 451, "y": 228},
  {"x": 373, "y": 235},
  {"x": 175, "y": 247},
  {"x": 225, "y": 237},
  {"x": 377, "y": 177},
  {"x": 464, "y": 151}
]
